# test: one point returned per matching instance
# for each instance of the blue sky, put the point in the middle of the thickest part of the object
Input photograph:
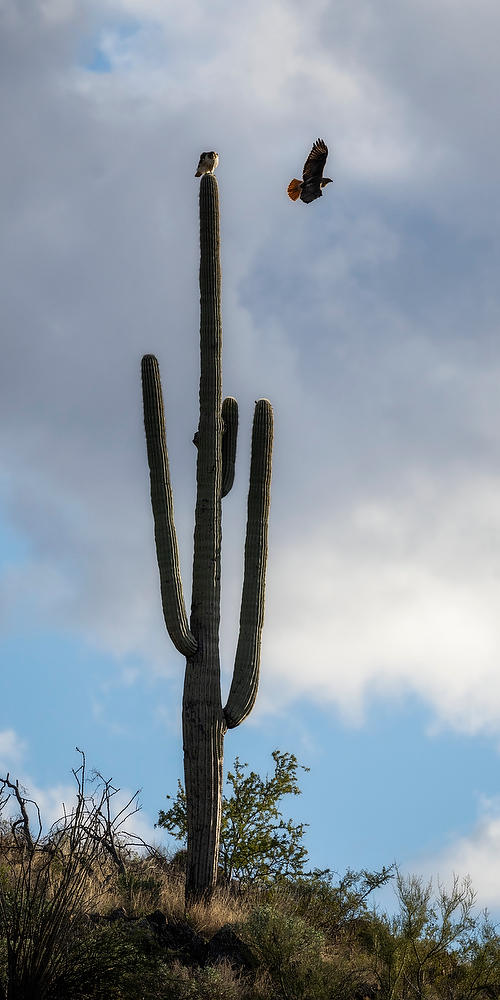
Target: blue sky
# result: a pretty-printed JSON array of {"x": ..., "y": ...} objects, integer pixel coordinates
[{"x": 369, "y": 318}]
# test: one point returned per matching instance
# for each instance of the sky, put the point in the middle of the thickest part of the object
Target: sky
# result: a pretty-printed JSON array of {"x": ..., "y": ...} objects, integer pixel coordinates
[{"x": 369, "y": 318}]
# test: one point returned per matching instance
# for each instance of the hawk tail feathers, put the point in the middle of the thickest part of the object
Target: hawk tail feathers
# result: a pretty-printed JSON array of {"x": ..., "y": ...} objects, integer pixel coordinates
[{"x": 294, "y": 188}]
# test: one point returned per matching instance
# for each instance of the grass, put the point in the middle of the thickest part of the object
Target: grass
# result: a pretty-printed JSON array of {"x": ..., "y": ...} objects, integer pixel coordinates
[
  {"x": 86, "y": 914},
  {"x": 303, "y": 941}
]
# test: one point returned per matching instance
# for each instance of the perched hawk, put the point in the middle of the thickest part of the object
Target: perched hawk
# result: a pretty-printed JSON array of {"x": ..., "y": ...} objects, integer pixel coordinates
[
  {"x": 207, "y": 164},
  {"x": 309, "y": 188}
]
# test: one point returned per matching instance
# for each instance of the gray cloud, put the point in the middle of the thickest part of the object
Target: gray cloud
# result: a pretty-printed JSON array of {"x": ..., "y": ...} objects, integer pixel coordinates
[{"x": 369, "y": 319}]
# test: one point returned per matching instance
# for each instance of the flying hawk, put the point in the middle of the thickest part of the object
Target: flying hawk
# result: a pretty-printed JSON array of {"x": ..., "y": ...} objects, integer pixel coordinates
[
  {"x": 309, "y": 188},
  {"x": 207, "y": 164}
]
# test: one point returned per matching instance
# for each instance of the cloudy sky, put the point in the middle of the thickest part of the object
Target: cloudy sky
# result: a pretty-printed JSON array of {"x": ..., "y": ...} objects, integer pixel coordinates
[{"x": 369, "y": 318}]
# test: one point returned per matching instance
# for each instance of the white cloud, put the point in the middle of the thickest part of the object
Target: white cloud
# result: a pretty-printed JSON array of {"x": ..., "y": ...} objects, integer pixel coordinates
[
  {"x": 475, "y": 854},
  {"x": 396, "y": 595},
  {"x": 12, "y": 750}
]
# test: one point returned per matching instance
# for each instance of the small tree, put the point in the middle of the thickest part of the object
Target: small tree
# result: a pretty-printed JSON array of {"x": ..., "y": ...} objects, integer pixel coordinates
[{"x": 257, "y": 844}]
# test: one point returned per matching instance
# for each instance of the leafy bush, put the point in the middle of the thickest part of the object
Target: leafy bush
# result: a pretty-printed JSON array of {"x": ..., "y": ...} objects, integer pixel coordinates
[
  {"x": 288, "y": 947},
  {"x": 3, "y": 966},
  {"x": 139, "y": 886},
  {"x": 257, "y": 845},
  {"x": 105, "y": 962},
  {"x": 334, "y": 909},
  {"x": 435, "y": 946},
  {"x": 213, "y": 983}
]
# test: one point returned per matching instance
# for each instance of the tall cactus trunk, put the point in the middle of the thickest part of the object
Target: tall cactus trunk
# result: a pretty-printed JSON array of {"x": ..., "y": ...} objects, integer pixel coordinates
[{"x": 204, "y": 719}]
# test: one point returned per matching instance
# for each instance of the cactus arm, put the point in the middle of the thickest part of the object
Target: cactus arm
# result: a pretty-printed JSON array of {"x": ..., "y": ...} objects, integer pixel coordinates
[
  {"x": 163, "y": 510},
  {"x": 229, "y": 435},
  {"x": 245, "y": 681}
]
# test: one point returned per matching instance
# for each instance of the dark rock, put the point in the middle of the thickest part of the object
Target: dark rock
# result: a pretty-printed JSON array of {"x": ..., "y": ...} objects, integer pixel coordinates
[
  {"x": 158, "y": 922},
  {"x": 367, "y": 991},
  {"x": 119, "y": 914},
  {"x": 226, "y": 946},
  {"x": 180, "y": 938}
]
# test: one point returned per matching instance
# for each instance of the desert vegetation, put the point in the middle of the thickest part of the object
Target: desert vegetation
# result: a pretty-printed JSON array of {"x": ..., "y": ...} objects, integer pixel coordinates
[{"x": 89, "y": 911}]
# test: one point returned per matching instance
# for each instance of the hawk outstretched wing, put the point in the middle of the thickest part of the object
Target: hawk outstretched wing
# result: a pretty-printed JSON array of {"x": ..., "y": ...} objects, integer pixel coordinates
[
  {"x": 310, "y": 187},
  {"x": 315, "y": 163}
]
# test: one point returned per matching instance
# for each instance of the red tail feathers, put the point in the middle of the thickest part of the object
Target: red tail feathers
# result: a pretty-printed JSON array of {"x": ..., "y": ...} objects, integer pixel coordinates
[{"x": 294, "y": 189}]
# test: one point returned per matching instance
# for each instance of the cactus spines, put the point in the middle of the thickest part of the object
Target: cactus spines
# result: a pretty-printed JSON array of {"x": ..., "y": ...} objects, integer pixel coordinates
[{"x": 203, "y": 718}]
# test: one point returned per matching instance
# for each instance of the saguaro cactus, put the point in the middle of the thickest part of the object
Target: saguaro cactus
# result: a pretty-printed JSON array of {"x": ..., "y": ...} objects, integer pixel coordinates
[{"x": 205, "y": 721}]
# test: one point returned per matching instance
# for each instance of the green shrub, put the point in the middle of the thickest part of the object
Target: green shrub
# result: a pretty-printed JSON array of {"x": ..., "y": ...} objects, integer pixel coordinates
[
  {"x": 218, "y": 982},
  {"x": 337, "y": 910},
  {"x": 139, "y": 886},
  {"x": 288, "y": 947},
  {"x": 3, "y": 966},
  {"x": 257, "y": 845},
  {"x": 105, "y": 962}
]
